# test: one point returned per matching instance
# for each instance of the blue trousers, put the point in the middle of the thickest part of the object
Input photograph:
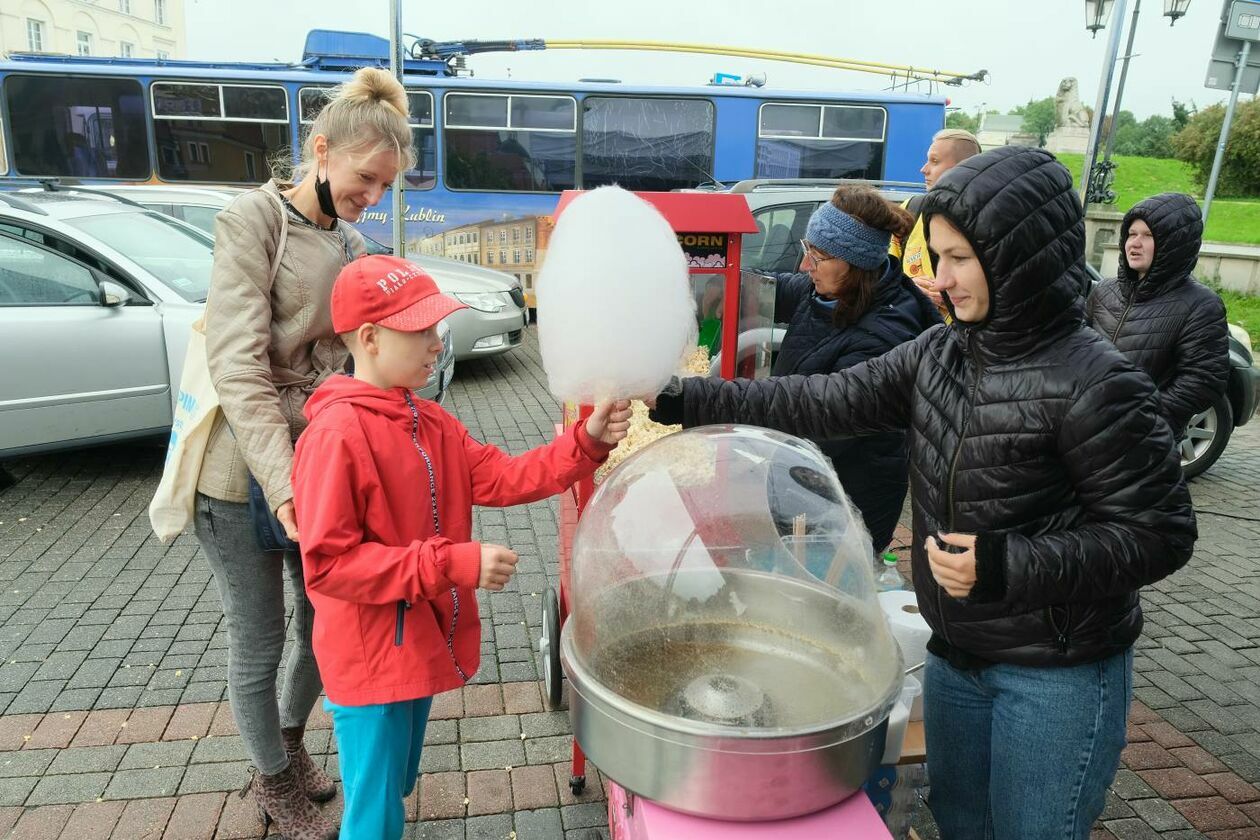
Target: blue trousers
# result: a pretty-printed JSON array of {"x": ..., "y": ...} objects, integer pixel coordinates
[
  {"x": 1018, "y": 753},
  {"x": 379, "y": 754}
]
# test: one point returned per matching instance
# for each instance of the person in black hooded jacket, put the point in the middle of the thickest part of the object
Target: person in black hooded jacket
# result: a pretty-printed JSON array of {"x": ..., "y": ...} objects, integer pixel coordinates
[
  {"x": 1045, "y": 494},
  {"x": 1158, "y": 315},
  {"x": 851, "y": 303}
]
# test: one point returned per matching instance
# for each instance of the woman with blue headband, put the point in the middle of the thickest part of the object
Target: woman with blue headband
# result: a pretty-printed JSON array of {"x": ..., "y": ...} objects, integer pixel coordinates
[{"x": 849, "y": 303}]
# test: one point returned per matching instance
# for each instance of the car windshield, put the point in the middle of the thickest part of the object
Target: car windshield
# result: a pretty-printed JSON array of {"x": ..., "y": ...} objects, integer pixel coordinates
[{"x": 180, "y": 258}]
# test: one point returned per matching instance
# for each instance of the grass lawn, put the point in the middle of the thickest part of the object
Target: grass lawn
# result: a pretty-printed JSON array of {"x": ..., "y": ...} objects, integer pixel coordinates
[
  {"x": 1243, "y": 310},
  {"x": 1233, "y": 220}
]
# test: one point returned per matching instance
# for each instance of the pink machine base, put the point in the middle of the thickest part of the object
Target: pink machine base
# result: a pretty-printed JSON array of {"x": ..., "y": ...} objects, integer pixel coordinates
[{"x": 852, "y": 819}]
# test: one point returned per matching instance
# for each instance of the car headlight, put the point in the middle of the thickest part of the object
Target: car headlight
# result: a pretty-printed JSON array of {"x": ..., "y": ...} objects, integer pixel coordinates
[{"x": 484, "y": 301}]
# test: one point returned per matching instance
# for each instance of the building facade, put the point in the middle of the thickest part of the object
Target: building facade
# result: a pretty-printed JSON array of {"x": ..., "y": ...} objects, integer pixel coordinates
[{"x": 110, "y": 28}]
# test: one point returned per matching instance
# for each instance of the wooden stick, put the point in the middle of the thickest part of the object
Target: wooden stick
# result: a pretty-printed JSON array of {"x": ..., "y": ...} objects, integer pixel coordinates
[{"x": 798, "y": 535}]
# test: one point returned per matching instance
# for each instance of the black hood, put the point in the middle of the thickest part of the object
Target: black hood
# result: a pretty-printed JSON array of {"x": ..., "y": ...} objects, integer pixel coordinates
[
  {"x": 1018, "y": 208},
  {"x": 1177, "y": 226}
]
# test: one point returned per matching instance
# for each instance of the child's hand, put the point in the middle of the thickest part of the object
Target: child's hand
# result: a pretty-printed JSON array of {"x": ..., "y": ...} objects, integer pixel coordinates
[
  {"x": 610, "y": 422},
  {"x": 497, "y": 566}
]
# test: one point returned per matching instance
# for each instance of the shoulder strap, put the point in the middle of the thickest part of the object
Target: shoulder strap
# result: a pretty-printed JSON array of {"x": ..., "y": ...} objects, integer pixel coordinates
[{"x": 284, "y": 235}]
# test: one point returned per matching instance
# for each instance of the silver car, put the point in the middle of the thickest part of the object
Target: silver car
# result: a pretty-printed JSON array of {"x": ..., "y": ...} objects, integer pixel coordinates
[
  {"x": 494, "y": 322},
  {"x": 97, "y": 297}
]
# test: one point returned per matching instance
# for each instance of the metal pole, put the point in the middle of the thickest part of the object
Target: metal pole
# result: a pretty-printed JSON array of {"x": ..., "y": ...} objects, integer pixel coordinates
[
  {"x": 1225, "y": 126},
  {"x": 1124, "y": 72},
  {"x": 1104, "y": 90},
  {"x": 397, "y": 194}
]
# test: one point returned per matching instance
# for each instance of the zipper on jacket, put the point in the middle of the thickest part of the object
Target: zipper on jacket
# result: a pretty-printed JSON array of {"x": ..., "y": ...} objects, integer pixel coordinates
[
  {"x": 403, "y": 606},
  {"x": 953, "y": 466},
  {"x": 1125, "y": 314},
  {"x": 1061, "y": 637},
  {"x": 437, "y": 529}
]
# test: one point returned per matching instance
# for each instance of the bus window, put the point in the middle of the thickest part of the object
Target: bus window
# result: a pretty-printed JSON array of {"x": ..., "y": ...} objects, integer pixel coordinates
[
  {"x": 820, "y": 141},
  {"x": 517, "y": 142},
  {"x": 77, "y": 127},
  {"x": 420, "y": 103},
  {"x": 219, "y": 133},
  {"x": 646, "y": 144}
]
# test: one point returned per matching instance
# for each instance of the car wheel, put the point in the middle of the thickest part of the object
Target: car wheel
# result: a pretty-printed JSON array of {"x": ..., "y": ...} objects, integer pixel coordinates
[
  {"x": 1206, "y": 436},
  {"x": 549, "y": 644}
]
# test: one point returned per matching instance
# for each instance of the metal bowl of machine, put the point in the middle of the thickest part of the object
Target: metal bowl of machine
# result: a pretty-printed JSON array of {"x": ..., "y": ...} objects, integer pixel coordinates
[{"x": 726, "y": 653}]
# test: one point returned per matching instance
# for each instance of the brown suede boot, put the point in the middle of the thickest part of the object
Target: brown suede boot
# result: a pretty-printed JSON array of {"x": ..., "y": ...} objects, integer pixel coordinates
[
  {"x": 318, "y": 785},
  {"x": 281, "y": 800}
]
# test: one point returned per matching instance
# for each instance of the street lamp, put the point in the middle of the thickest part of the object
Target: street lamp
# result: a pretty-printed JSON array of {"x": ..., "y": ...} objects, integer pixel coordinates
[
  {"x": 1175, "y": 9},
  {"x": 1096, "y": 179},
  {"x": 1096, "y": 13}
]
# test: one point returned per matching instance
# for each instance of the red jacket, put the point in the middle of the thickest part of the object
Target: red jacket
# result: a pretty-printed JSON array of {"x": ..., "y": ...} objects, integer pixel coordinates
[{"x": 395, "y": 614}]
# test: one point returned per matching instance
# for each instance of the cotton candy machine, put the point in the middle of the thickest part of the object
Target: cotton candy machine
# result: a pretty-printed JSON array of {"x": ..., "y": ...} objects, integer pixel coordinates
[{"x": 726, "y": 653}]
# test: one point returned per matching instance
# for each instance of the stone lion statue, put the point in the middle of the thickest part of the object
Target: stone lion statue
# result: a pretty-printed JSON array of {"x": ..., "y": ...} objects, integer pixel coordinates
[{"x": 1068, "y": 109}]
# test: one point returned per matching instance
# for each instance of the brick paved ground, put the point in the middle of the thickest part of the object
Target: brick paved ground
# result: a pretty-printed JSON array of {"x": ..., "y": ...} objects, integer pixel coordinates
[{"x": 113, "y": 719}]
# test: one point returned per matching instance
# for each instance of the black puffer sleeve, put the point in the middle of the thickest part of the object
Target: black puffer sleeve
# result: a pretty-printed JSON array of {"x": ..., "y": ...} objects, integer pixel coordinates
[
  {"x": 868, "y": 398},
  {"x": 1202, "y": 367}
]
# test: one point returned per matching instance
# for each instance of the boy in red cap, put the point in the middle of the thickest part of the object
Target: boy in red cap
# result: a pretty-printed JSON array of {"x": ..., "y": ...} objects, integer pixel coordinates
[{"x": 384, "y": 485}]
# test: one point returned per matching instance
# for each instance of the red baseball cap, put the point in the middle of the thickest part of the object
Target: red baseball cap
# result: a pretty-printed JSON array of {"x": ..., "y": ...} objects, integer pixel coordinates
[{"x": 390, "y": 292}]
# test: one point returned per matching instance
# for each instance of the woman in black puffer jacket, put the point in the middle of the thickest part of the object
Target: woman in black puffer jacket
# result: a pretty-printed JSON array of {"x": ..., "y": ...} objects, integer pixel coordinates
[
  {"x": 851, "y": 303},
  {"x": 1160, "y": 317},
  {"x": 1045, "y": 491}
]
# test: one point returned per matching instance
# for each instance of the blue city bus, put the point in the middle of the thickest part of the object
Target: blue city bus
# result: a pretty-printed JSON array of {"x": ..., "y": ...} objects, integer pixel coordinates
[{"x": 493, "y": 156}]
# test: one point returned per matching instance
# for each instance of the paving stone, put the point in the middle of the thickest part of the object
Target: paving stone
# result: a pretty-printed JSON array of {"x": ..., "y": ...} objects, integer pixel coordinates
[
  {"x": 191, "y": 721},
  {"x": 545, "y": 724},
  {"x": 239, "y": 820},
  {"x": 441, "y": 830},
  {"x": 442, "y": 796},
  {"x": 1233, "y": 788},
  {"x": 144, "y": 819},
  {"x": 534, "y": 787},
  {"x": 229, "y": 748},
  {"x": 489, "y": 792},
  {"x": 15, "y": 729},
  {"x": 56, "y": 730},
  {"x": 1132, "y": 829},
  {"x": 1168, "y": 737},
  {"x": 494, "y": 827},
  {"x": 1211, "y": 813},
  {"x": 195, "y": 817},
  {"x": 87, "y": 760},
  {"x": 1159, "y": 815},
  {"x": 522, "y": 697},
  {"x": 135, "y": 784},
  {"x": 145, "y": 725},
  {"x": 544, "y": 824},
  {"x": 1198, "y": 759},
  {"x": 482, "y": 700},
  {"x": 93, "y": 821},
  {"x": 200, "y": 778},
  {"x": 585, "y": 815},
  {"x": 491, "y": 755},
  {"x": 25, "y": 762},
  {"x": 1148, "y": 756},
  {"x": 79, "y": 787},
  {"x": 441, "y": 732},
  {"x": 43, "y": 823},
  {"x": 1177, "y": 783},
  {"x": 152, "y": 756}
]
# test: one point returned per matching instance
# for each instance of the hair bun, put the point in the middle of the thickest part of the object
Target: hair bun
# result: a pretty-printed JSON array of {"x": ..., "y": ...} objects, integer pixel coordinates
[{"x": 373, "y": 84}]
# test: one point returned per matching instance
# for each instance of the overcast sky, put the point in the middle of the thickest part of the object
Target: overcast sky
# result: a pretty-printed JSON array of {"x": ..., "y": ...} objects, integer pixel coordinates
[{"x": 1026, "y": 46}]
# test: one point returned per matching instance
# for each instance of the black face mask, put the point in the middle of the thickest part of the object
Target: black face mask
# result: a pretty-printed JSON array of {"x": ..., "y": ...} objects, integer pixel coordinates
[{"x": 323, "y": 192}]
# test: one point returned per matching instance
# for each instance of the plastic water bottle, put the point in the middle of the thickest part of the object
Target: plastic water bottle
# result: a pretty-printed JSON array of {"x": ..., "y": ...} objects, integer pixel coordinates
[{"x": 889, "y": 578}]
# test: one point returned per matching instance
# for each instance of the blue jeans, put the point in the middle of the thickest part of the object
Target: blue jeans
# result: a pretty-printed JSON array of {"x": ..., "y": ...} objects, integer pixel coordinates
[
  {"x": 1019, "y": 752},
  {"x": 379, "y": 754}
]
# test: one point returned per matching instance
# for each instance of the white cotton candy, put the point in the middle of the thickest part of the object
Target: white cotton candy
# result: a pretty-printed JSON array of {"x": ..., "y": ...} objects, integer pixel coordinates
[{"x": 615, "y": 311}]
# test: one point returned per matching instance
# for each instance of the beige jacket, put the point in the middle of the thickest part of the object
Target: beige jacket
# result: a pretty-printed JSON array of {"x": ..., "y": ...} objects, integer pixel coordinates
[{"x": 268, "y": 345}]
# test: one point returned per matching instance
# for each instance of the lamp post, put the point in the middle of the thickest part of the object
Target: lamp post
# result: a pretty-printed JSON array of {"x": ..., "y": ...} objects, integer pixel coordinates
[
  {"x": 1096, "y": 178},
  {"x": 398, "y": 193}
]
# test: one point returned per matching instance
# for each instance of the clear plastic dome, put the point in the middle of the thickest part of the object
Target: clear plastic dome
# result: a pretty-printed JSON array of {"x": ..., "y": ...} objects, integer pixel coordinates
[{"x": 720, "y": 578}]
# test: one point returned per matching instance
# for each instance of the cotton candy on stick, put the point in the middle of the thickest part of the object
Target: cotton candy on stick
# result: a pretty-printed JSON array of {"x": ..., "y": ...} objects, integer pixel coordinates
[{"x": 615, "y": 312}]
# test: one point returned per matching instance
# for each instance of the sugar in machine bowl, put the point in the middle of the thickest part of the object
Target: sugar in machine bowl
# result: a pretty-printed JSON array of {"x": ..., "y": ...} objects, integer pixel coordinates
[{"x": 726, "y": 652}]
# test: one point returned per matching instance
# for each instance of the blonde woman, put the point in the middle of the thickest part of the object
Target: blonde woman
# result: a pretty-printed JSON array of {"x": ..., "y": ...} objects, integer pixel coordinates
[{"x": 270, "y": 342}]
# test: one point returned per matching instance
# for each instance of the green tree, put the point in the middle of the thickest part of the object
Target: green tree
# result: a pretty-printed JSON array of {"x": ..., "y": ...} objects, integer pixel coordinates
[
  {"x": 1196, "y": 145},
  {"x": 963, "y": 120},
  {"x": 1039, "y": 118},
  {"x": 1182, "y": 114},
  {"x": 1150, "y": 138}
]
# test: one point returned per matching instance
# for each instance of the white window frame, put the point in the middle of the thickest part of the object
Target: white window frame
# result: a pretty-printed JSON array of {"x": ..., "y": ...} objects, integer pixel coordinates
[
  {"x": 159, "y": 12},
  {"x": 126, "y": 49},
  {"x": 818, "y": 132},
  {"x": 35, "y": 34},
  {"x": 82, "y": 42},
  {"x": 411, "y": 120},
  {"x": 220, "y": 118},
  {"x": 509, "y": 127},
  {"x": 124, "y": 6}
]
